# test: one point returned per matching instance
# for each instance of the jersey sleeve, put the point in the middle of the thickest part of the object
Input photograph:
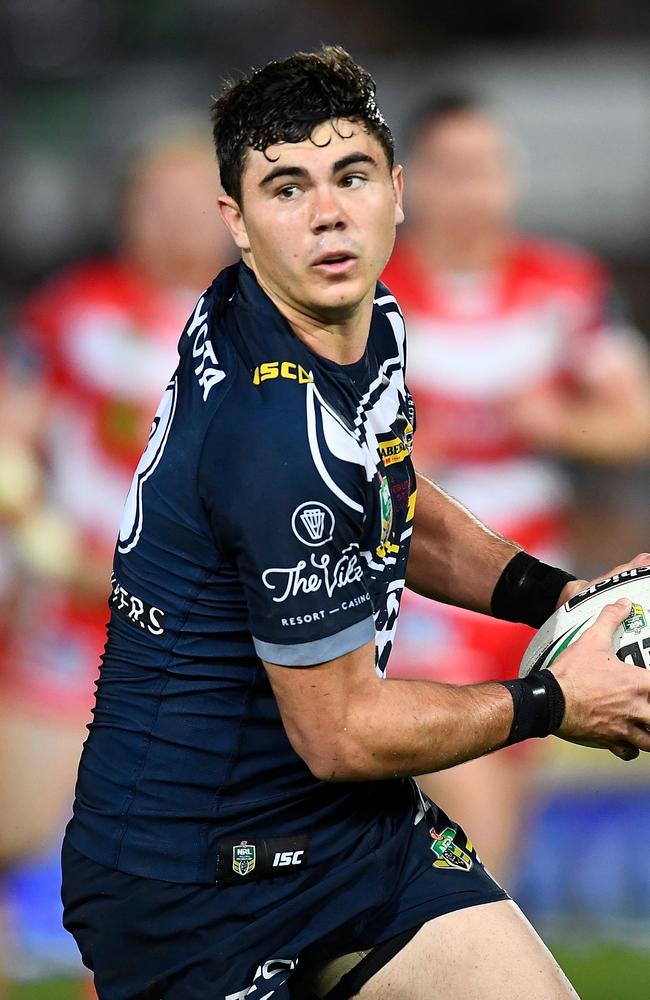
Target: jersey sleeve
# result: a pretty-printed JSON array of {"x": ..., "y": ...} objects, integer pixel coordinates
[{"x": 292, "y": 525}]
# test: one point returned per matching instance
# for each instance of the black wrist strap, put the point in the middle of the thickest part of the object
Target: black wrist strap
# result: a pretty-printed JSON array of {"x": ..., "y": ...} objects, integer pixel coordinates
[
  {"x": 528, "y": 590},
  {"x": 538, "y": 705}
]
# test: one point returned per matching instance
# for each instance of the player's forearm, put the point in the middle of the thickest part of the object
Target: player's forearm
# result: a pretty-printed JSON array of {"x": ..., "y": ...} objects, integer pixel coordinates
[
  {"x": 417, "y": 727},
  {"x": 454, "y": 557}
]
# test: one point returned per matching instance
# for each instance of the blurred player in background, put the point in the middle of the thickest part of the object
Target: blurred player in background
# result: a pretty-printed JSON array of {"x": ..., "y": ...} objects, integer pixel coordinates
[
  {"x": 518, "y": 356},
  {"x": 77, "y": 393}
]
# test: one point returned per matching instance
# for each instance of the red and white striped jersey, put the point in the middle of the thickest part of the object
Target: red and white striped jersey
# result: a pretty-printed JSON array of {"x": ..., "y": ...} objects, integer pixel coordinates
[{"x": 477, "y": 341}]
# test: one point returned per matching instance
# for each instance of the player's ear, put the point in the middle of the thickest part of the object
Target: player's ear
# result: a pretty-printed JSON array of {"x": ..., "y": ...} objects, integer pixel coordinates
[
  {"x": 233, "y": 218},
  {"x": 398, "y": 187}
]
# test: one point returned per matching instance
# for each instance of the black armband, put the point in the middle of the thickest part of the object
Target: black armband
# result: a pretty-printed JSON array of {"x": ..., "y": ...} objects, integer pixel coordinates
[
  {"x": 528, "y": 590},
  {"x": 538, "y": 704}
]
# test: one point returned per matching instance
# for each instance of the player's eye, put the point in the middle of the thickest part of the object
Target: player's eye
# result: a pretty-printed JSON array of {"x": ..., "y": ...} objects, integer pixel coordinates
[
  {"x": 353, "y": 181},
  {"x": 288, "y": 193}
]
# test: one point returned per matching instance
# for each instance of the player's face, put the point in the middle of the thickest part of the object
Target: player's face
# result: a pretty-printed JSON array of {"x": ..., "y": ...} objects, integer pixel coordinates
[
  {"x": 317, "y": 220},
  {"x": 460, "y": 174}
]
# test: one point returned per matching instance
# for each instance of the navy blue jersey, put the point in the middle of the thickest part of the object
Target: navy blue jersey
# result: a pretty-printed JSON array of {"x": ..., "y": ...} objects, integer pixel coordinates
[{"x": 269, "y": 518}]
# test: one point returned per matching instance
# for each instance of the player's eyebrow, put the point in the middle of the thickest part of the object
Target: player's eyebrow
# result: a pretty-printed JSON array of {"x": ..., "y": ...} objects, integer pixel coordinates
[
  {"x": 302, "y": 174},
  {"x": 282, "y": 171},
  {"x": 352, "y": 158}
]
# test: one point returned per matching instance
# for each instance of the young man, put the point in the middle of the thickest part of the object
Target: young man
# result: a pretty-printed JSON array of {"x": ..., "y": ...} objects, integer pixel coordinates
[
  {"x": 518, "y": 356},
  {"x": 244, "y": 824}
]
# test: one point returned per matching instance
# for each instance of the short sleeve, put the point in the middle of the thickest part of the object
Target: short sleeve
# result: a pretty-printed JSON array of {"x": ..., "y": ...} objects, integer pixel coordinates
[{"x": 293, "y": 530}]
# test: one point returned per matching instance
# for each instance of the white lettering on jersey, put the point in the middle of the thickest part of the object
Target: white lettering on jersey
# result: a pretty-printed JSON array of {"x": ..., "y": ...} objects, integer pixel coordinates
[
  {"x": 313, "y": 616},
  {"x": 300, "y": 579},
  {"x": 284, "y": 858},
  {"x": 208, "y": 372},
  {"x": 134, "y": 609}
]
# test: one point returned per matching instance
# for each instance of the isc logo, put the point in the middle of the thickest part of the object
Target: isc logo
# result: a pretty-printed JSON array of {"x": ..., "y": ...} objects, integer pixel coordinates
[
  {"x": 283, "y": 858},
  {"x": 281, "y": 369}
]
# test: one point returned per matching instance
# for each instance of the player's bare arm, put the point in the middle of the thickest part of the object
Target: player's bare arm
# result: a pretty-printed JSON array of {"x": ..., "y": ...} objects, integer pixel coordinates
[
  {"x": 454, "y": 557},
  {"x": 348, "y": 724},
  {"x": 457, "y": 559}
]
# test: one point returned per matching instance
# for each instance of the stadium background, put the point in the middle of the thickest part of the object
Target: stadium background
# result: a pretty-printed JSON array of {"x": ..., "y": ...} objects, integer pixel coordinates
[{"x": 82, "y": 80}]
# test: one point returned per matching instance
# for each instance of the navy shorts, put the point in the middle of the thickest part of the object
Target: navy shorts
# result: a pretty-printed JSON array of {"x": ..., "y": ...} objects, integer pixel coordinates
[{"x": 151, "y": 939}]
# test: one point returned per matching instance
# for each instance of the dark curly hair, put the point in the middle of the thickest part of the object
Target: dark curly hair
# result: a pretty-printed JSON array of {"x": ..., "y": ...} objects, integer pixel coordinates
[{"x": 285, "y": 100}]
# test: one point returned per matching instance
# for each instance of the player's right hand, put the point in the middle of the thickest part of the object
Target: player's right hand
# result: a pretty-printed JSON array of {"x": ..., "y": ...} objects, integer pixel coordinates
[{"x": 607, "y": 701}]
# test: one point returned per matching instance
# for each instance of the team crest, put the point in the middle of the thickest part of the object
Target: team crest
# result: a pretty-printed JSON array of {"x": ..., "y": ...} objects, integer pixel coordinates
[
  {"x": 448, "y": 854},
  {"x": 243, "y": 858},
  {"x": 636, "y": 620}
]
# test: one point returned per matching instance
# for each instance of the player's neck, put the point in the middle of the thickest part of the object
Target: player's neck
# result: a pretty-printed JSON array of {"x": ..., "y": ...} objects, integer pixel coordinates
[
  {"x": 449, "y": 250},
  {"x": 343, "y": 343},
  {"x": 337, "y": 336}
]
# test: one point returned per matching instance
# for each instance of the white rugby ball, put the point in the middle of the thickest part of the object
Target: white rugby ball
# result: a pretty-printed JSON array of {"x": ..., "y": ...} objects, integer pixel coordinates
[{"x": 631, "y": 639}]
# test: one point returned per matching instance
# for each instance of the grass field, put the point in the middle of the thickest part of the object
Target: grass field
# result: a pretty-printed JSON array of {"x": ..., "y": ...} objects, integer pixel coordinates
[
  {"x": 56, "y": 989},
  {"x": 607, "y": 972},
  {"x": 599, "y": 972}
]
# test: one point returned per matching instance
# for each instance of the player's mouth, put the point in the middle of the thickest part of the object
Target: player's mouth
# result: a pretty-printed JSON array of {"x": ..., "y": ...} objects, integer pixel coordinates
[{"x": 335, "y": 262}]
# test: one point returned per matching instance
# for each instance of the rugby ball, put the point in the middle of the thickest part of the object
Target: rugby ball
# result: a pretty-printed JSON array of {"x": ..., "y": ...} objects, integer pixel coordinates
[{"x": 631, "y": 639}]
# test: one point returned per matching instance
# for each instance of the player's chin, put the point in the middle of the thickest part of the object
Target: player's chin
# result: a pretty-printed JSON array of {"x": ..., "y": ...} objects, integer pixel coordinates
[{"x": 342, "y": 294}]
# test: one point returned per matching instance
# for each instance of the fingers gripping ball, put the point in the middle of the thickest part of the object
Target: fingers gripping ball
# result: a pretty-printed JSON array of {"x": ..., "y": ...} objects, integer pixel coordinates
[{"x": 631, "y": 639}]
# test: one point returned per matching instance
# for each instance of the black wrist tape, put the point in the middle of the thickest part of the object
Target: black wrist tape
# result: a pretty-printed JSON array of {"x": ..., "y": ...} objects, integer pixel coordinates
[
  {"x": 538, "y": 705},
  {"x": 528, "y": 590}
]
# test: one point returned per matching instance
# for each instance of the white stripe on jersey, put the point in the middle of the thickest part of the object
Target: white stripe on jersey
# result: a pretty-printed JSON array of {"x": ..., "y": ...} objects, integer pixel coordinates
[
  {"x": 376, "y": 413},
  {"x": 315, "y": 451},
  {"x": 375, "y": 418},
  {"x": 386, "y": 561}
]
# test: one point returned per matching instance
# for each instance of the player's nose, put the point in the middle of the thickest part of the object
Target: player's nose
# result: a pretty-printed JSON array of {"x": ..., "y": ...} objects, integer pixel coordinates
[{"x": 327, "y": 211}]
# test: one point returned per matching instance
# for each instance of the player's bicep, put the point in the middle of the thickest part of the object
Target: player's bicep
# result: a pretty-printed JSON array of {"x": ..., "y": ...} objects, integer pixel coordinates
[{"x": 317, "y": 706}]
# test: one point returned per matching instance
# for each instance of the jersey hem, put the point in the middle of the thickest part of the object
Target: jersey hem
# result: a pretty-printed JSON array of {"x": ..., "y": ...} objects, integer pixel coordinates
[{"x": 307, "y": 654}]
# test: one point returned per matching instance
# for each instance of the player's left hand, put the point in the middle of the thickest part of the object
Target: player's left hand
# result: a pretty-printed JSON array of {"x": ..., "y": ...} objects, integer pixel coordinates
[{"x": 575, "y": 586}]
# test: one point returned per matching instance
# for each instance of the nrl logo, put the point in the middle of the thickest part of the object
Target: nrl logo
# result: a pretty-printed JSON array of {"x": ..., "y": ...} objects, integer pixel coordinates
[
  {"x": 243, "y": 858},
  {"x": 636, "y": 620},
  {"x": 448, "y": 854}
]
